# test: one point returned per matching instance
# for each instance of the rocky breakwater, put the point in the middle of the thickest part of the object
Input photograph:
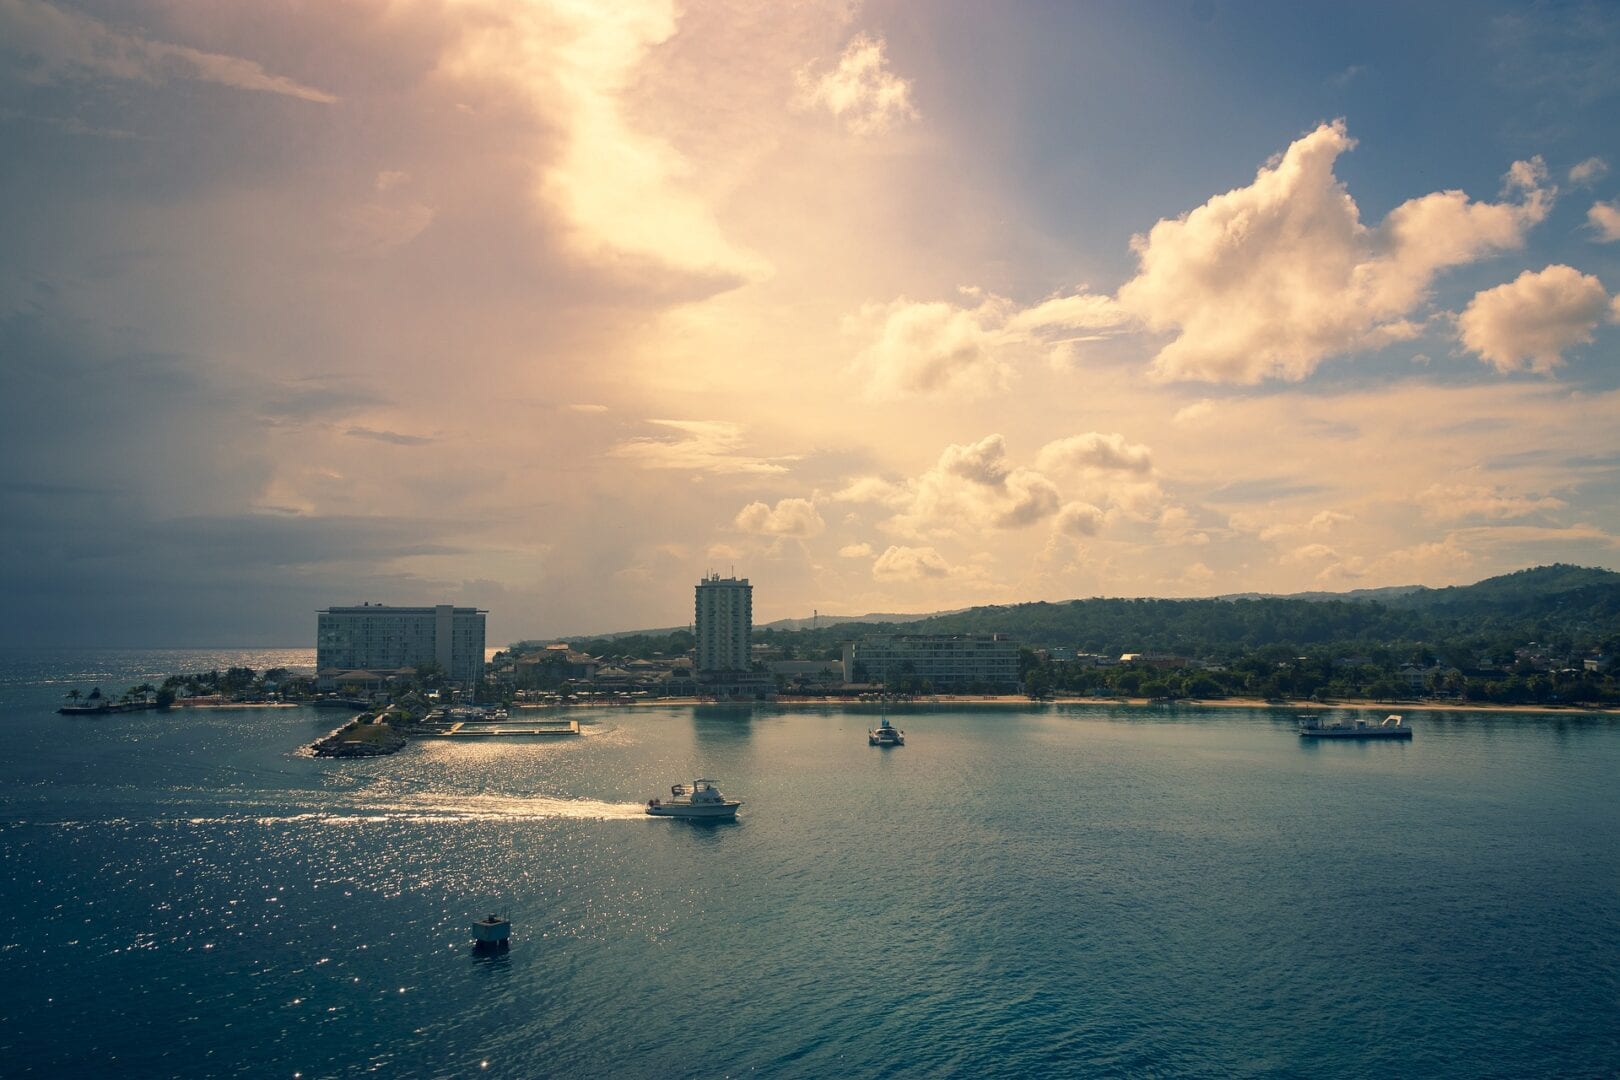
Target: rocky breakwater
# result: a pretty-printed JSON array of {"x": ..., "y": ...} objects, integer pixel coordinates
[{"x": 363, "y": 736}]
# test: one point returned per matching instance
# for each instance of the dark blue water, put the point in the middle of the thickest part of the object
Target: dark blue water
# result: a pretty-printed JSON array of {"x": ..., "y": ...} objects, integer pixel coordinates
[{"x": 1051, "y": 891}]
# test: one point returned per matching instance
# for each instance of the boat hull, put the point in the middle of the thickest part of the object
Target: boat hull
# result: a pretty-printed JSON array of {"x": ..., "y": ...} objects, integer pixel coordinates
[
  {"x": 722, "y": 811},
  {"x": 1368, "y": 733}
]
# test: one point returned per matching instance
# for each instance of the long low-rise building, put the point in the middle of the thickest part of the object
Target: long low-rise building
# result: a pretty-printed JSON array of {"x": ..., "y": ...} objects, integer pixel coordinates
[{"x": 944, "y": 661}]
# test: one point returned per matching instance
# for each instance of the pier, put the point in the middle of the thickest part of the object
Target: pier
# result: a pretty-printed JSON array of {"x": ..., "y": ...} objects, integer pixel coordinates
[{"x": 470, "y": 729}]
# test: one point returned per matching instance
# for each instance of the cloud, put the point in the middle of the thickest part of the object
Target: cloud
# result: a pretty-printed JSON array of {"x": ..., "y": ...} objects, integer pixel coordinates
[
  {"x": 1309, "y": 553},
  {"x": 1453, "y": 502},
  {"x": 698, "y": 445},
  {"x": 1079, "y": 484},
  {"x": 1529, "y": 322},
  {"x": 623, "y": 193},
  {"x": 973, "y": 486},
  {"x": 1268, "y": 280},
  {"x": 795, "y": 518},
  {"x": 1177, "y": 526},
  {"x": 1589, "y": 171},
  {"x": 872, "y": 489},
  {"x": 587, "y": 407},
  {"x": 1080, "y": 519},
  {"x": 983, "y": 462},
  {"x": 934, "y": 347},
  {"x": 1321, "y": 522},
  {"x": 861, "y": 91},
  {"x": 927, "y": 348},
  {"x": 1604, "y": 218},
  {"x": 1094, "y": 450},
  {"x": 855, "y": 551},
  {"x": 1194, "y": 413},
  {"x": 376, "y": 228},
  {"x": 393, "y": 437},
  {"x": 73, "y": 44},
  {"x": 910, "y": 564}
]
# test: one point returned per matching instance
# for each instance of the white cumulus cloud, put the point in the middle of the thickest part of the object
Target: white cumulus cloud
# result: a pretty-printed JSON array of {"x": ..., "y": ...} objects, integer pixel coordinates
[
  {"x": 1604, "y": 219},
  {"x": 796, "y": 518},
  {"x": 1268, "y": 280},
  {"x": 1094, "y": 450},
  {"x": 1529, "y": 322},
  {"x": 933, "y": 347},
  {"x": 910, "y": 564}
]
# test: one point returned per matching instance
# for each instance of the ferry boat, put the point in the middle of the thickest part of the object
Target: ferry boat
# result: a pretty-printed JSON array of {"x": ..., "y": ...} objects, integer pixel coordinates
[
  {"x": 1392, "y": 727},
  {"x": 885, "y": 734},
  {"x": 699, "y": 800}
]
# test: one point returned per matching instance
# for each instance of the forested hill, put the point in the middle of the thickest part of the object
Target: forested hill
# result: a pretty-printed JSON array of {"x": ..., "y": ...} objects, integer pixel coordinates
[{"x": 1573, "y": 606}]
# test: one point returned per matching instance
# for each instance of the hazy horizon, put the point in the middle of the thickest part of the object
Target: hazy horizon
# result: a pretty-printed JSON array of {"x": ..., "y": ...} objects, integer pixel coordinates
[{"x": 887, "y": 307}]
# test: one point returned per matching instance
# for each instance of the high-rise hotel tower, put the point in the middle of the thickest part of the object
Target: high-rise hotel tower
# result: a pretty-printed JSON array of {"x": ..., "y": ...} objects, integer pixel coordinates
[{"x": 725, "y": 623}]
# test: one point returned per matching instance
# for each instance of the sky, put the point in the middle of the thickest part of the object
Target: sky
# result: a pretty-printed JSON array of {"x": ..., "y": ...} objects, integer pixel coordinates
[{"x": 554, "y": 307}]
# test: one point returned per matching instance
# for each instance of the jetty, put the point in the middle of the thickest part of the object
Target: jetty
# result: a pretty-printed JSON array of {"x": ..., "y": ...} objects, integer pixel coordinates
[
  {"x": 360, "y": 737},
  {"x": 472, "y": 729}
]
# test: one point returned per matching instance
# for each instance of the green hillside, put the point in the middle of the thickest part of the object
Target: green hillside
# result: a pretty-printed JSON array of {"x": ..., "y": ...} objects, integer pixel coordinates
[{"x": 1576, "y": 608}]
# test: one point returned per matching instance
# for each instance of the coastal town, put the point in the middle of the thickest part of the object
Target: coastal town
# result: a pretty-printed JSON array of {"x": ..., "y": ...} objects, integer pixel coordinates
[{"x": 418, "y": 672}]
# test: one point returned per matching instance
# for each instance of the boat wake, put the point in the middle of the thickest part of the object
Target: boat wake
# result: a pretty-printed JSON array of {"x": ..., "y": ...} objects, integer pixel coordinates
[
  {"x": 449, "y": 807},
  {"x": 359, "y": 812}
]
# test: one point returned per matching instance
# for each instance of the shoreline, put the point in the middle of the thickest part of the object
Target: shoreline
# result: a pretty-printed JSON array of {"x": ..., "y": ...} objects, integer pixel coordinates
[{"x": 1019, "y": 700}]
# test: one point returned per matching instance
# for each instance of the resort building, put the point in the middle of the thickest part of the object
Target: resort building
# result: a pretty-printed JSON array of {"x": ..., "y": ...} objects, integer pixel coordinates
[
  {"x": 375, "y": 636},
  {"x": 943, "y": 661},
  {"x": 724, "y": 623}
]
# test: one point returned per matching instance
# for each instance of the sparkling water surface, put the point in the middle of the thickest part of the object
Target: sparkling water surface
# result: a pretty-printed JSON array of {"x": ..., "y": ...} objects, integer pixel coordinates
[{"x": 1036, "y": 891}]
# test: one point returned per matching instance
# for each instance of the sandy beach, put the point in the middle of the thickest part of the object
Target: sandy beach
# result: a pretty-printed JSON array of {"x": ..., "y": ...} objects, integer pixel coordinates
[{"x": 1021, "y": 701}]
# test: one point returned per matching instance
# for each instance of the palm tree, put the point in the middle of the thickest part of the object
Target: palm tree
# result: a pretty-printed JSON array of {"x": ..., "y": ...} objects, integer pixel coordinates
[{"x": 74, "y": 695}]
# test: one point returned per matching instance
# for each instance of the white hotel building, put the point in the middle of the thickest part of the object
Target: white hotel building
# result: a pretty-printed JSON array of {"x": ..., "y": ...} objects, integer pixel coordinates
[
  {"x": 377, "y": 638},
  {"x": 724, "y": 623}
]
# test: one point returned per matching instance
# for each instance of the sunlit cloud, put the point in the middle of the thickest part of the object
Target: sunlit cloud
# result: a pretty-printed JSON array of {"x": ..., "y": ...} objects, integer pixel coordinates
[
  {"x": 938, "y": 347},
  {"x": 1267, "y": 281},
  {"x": 899, "y": 563},
  {"x": 1530, "y": 322},
  {"x": 860, "y": 90},
  {"x": 1454, "y": 502},
  {"x": 697, "y": 445},
  {"x": 624, "y": 191},
  {"x": 1604, "y": 221},
  {"x": 1095, "y": 450},
  {"x": 794, "y": 518}
]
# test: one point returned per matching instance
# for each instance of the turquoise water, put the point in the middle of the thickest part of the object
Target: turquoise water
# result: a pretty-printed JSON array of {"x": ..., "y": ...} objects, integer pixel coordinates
[{"x": 1062, "y": 891}]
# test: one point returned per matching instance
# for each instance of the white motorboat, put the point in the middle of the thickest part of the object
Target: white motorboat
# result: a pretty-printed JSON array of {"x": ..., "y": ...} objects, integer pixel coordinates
[
  {"x": 885, "y": 734},
  {"x": 699, "y": 800}
]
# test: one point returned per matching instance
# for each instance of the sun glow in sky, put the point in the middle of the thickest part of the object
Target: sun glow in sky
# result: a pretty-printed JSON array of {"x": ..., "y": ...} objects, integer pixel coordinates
[{"x": 552, "y": 306}]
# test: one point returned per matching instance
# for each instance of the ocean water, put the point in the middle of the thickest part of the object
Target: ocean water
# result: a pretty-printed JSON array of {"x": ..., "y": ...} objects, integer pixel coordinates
[{"x": 1042, "y": 891}]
